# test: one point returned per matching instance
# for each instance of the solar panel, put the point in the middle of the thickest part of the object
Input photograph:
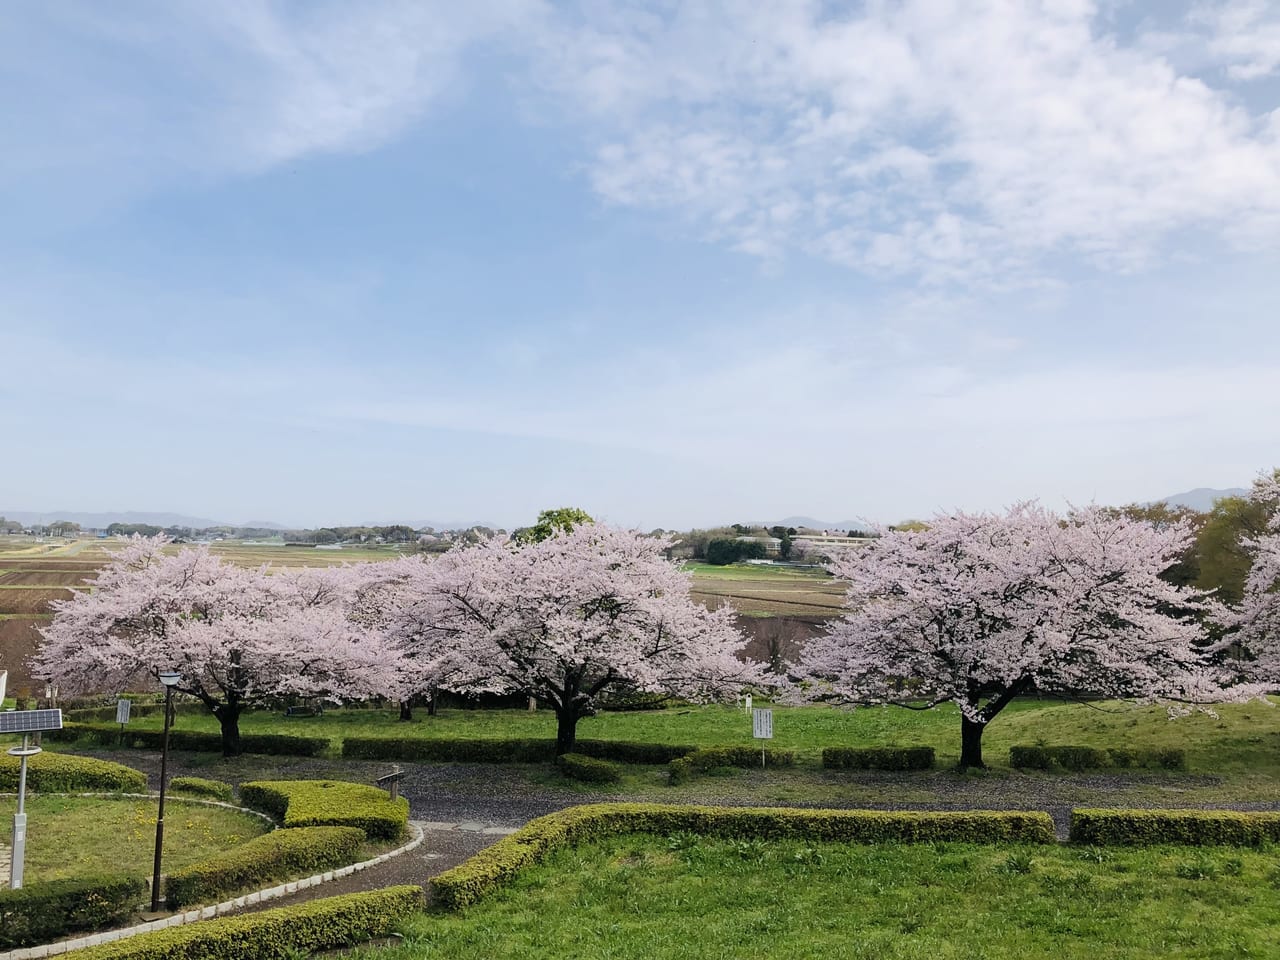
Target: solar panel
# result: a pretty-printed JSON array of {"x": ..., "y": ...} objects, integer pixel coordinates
[{"x": 29, "y": 721}]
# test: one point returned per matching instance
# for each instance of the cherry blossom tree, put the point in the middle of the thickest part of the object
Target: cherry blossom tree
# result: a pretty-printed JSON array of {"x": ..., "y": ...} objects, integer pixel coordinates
[
  {"x": 1258, "y": 619},
  {"x": 978, "y": 609},
  {"x": 239, "y": 637},
  {"x": 569, "y": 618}
]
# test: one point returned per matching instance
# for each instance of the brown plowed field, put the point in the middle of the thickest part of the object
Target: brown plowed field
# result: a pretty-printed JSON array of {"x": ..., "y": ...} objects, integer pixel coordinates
[
  {"x": 18, "y": 640},
  {"x": 28, "y": 600},
  {"x": 45, "y": 578}
]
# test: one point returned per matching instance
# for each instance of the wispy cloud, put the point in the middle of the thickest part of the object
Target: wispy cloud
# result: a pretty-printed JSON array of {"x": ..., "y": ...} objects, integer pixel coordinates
[{"x": 953, "y": 142}]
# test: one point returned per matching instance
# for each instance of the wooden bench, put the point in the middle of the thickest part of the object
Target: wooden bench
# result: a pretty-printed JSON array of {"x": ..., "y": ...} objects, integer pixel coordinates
[
  {"x": 304, "y": 712},
  {"x": 391, "y": 782}
]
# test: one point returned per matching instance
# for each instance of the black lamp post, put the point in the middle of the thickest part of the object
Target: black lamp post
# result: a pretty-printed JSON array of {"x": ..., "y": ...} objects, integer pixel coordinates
[{"x": 170, "y": 679}]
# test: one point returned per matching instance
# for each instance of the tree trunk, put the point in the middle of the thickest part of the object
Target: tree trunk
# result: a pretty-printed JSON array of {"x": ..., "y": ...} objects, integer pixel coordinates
[
  {"x": 406, "y": 711},
  {"x": 431, "y": 703},
  {"x": 229, "y": 721},
  {"x": 971, "y": 743},
  {"x": 566, "y": 731}
]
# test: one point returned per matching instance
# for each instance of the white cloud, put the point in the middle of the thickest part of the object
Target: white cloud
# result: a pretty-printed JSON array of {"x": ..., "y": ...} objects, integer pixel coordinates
[
  {"x": 1244, "y": 35},
  {"x": 958, "y": 142}
]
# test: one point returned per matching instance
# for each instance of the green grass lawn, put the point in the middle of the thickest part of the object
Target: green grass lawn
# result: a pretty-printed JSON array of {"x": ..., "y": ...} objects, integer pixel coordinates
[
  {"x": 83, "y": 836},
  {"x": 1243, "y": 738},
  {"x": 688, "y": 898}
]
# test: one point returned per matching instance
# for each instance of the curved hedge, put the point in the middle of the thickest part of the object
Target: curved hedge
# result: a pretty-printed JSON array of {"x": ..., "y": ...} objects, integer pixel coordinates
[
  {"x": 47, "y": 910},
  {"x": 329, "y": 803},
  {"x": 200, "y": 787},
  {"x": 263, "y": 861},
  {"x": 492, "y": 750},
  {"x": 279, "y": 934},
  {"x": 64, "y": 773},
  {"x": 1093, "y": 758},
  {"x": 498, "y": 864},
  {"x": 1193, "y": 827},
  {"x": 587, "y": 769},
  {"x": 700, "y": 761},
  {"x": 878, "y": 758}
]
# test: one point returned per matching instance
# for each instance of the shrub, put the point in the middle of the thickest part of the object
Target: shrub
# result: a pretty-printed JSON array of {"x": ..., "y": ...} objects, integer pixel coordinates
[
  {"x": 878, "y": 758},
  {"x": 278, "y": 934},
  {"x": 63, "y": 773},
  {"x": 199, "y": 787},
  {"x": 587, "y": 769},
  {"x": 40, "y": 912},
  {"x": 700, "y": 761},
  {"x": 498, "y": 864},
  {"x": 1092, "y": 758},
  {"x": 262, "y": 861},
  {"x": 272, "y": 744},
  {"x": 329, "y": 803},
  {"x": 487, "y": 750},
  {"x": 1192, "y": 827}
]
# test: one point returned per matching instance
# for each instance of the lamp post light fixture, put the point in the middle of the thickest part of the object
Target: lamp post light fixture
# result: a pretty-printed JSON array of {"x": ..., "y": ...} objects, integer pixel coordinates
[{"x": 170, "y": 679}]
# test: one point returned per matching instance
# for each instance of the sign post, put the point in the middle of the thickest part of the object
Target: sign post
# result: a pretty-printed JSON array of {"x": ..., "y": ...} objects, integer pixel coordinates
[
  {"x": 123, "y": 706},
  {"x": 762, "y": 728},
  {"x": 25, "y": 722}
]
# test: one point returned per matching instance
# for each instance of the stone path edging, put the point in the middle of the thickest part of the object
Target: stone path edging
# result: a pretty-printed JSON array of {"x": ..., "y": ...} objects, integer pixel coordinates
[{"x": 216, "y": 910}]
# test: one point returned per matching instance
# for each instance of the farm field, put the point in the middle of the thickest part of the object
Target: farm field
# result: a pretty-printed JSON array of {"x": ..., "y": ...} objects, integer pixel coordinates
[
  {"x": 690, "y": 898},
  {"x": 1242, "y": 739},
  {"x": 83, "y": 836},
  {"x": 765, "y": 591}
]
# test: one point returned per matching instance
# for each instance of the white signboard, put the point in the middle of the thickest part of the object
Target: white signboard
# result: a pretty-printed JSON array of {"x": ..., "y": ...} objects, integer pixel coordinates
[
  {"x": 122, "y": 710},
  {"x": 747, "y": 708},
  {"x": 762, "y": 724}
]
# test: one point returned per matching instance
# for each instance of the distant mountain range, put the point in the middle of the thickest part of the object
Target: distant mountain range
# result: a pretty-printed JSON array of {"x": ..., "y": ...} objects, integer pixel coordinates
[
  {"x": 1203, "y": 498},
  {"x": 99, "y": 521}
]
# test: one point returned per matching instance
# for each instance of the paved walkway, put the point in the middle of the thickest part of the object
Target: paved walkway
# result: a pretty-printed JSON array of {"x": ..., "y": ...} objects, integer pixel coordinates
[{"x": 444, "y": 845}]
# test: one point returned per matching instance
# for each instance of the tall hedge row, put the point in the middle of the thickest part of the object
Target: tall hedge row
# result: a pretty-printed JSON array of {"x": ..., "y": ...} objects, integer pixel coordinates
[
  {"x": 272, "y": 744},
  {"x": 1193, "y": 827}
]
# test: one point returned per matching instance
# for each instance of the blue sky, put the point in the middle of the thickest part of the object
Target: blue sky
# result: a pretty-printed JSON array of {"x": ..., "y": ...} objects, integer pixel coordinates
[{"x": 675, "y": 263}]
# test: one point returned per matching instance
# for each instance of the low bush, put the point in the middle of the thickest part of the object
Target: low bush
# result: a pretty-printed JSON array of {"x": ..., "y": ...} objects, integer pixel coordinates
[
  {"x": 329, "y": 803},
  {"x": 1191, "y": 827},
  {"x": 263, "y": 861},
  {"x": 700, "y": 761},
  {"x": 587, "y": 769},
  {"x": 498, "y": 864},
  {"x": 63, "y": 773},
  {"x": 44, "y": 911},
  {"x": 1093, "y": 758},
  {"x": 107, "y": 714},
  {"x": 199, "y": 787},
  {"x": 486, "y": 750},
  {"x": 878, "y": 758},
  {"x": 280, "y": 934},
  {"x": 198, "y": 741}
]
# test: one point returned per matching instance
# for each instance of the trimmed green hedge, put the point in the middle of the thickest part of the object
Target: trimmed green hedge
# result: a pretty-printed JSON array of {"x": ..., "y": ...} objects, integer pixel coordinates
[
  {"x": 1093, "y": 758},
  {"x": 107, "y": 714},
  {"x": 63, "y": 773},
  {"x": 588, "y": 769},
  {"x": 878, "y": 758},
  {"x": 1194, "y": 827},
  {"x": 199, "y": 787},
  {"x": 263, "y": 861},
  {"x": 700, "y": 761},
  {"x": 48, "y": 910},
  {"x": 273, "y": 744},
  {"x": 329, "y": 803},
  {"x": 498, "y": 864},
  {"x": 488, "y": 750},
  {"x": 280, "y": 934}
]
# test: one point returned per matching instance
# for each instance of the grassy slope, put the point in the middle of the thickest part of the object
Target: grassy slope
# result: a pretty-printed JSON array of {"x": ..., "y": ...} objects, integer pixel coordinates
[
  {"x": 1243, "y": 737},
  {"x": 79, "y": 836},
  {"x": 636, "y": 897}
]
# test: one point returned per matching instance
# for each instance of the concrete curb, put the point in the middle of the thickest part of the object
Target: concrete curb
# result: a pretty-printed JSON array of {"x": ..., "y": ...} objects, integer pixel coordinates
[{"x": 216, "y": 910}]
